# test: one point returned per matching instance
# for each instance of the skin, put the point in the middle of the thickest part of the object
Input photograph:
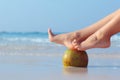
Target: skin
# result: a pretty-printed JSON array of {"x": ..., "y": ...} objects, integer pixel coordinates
[{"x": 94, "y": 36}]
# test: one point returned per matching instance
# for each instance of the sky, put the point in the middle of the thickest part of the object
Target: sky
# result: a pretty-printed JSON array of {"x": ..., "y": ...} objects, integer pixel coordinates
[{"x": 60, "y": 15}]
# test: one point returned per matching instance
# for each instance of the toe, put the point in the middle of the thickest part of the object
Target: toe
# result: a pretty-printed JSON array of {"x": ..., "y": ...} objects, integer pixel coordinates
[
  {"x": 50, "y": 34},
  {"x": 74, "y": 42},
  {"x": 76, "y": 47}
]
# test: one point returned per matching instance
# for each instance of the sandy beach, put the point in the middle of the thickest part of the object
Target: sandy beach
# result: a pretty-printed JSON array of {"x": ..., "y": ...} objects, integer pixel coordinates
[
  {"x": 102, "y": 66},
  {"x": 29, "y": 52}
]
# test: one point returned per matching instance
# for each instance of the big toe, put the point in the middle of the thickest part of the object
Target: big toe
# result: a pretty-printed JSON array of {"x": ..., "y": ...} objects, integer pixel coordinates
[{"x": 50, "y": 34}]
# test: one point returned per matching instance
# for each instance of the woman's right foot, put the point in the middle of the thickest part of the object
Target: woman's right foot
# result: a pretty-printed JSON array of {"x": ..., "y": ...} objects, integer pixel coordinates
[
  {"x": 63, "y": 39},
  {"x": 67, "y": 39}
]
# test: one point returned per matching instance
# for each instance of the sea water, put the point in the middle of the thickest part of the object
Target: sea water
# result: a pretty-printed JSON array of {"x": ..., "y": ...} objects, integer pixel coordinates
[
  {"x": 31, "y": 43},
  {"x": 37, "y": 44},
  {"x": 26, "y": 43}
]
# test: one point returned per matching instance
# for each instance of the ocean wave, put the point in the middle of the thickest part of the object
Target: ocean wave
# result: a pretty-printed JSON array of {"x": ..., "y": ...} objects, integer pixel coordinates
[
  {"x": 37, "y": 38},
  {"x": 23, "y": 33},
  {"x": 25, "y": 39},
  {"x": 115, "y": 38}
]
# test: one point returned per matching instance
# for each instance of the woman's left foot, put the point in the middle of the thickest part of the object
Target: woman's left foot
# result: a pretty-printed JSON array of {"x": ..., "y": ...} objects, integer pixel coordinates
[{"x": 97, "y": 40}]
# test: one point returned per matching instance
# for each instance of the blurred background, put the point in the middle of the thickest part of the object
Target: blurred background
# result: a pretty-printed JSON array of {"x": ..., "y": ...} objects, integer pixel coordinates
[
  {"x": 60, "y": 15},
  {"x": 26, "y": 52}
]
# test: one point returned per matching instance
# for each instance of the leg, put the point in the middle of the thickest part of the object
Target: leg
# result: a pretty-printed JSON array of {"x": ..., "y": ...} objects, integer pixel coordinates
[
  {"x": 101, "y": 38},
  {"x": 66, "y": 39},
  {"x": 93, "y": 28}
]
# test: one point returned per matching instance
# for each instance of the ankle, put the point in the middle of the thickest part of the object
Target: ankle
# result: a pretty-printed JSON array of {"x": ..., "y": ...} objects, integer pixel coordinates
[
  {"x": 104, "y": 38},
  {"x": 102, "y": 35}
]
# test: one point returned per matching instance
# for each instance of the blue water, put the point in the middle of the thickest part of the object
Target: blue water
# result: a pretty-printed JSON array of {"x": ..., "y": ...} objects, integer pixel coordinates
[
  {"x": 26, "y": 43},
  {"x": 36, "y": 38},
  {"x": 21, "y": 37},
  {"x": 35, "y": 43}
]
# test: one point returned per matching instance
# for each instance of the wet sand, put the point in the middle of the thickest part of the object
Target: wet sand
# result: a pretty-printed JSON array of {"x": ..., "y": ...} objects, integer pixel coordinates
[{"x": 102, "y": 66}]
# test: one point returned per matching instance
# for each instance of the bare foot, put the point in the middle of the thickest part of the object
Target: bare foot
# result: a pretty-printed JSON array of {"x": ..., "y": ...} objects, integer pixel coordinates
[
  {"x": 97, "y": 40},
  {"x": 66, "y": 39}
]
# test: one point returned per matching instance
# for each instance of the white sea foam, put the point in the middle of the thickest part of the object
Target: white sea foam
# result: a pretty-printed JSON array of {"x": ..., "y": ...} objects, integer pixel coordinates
[
  {"x": 25, "y": 39},
  {"x": 115, "y": 38}
]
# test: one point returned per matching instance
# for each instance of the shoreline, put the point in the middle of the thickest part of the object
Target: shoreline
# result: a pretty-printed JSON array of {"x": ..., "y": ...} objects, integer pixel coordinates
[{"x": 103, "y": 64}]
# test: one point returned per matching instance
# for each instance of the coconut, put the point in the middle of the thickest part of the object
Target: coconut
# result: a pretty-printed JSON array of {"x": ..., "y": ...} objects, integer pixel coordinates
[{"x": 75, "y": 58}]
